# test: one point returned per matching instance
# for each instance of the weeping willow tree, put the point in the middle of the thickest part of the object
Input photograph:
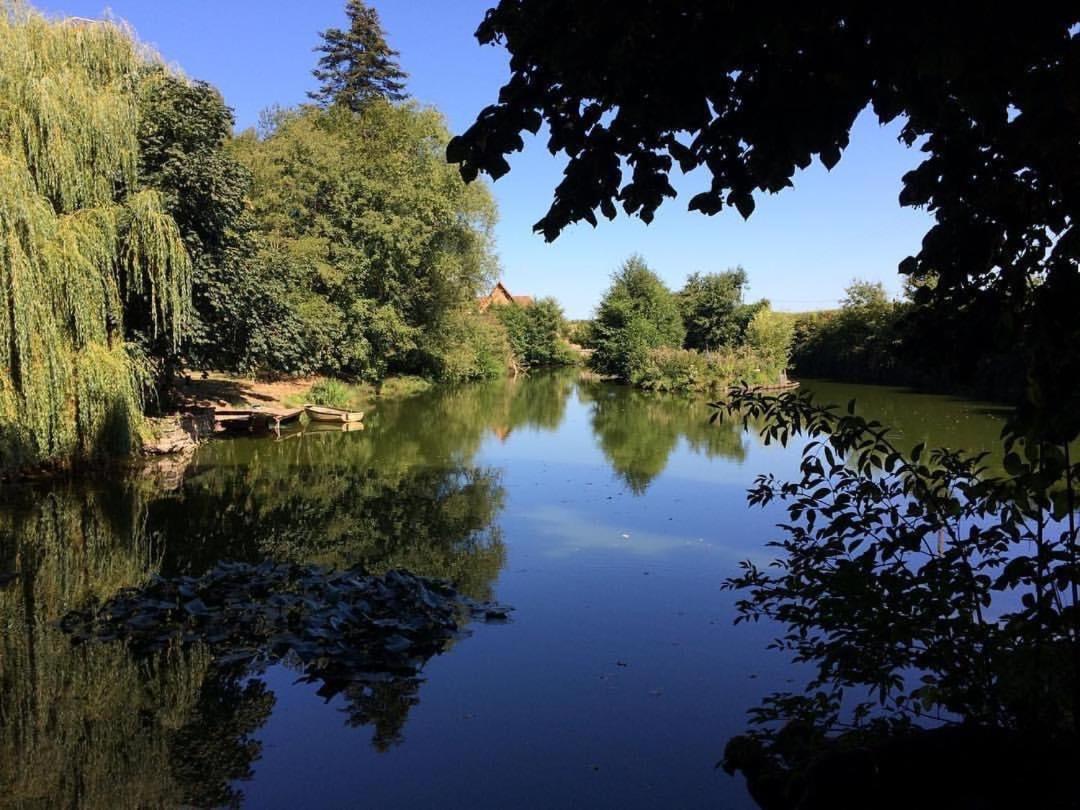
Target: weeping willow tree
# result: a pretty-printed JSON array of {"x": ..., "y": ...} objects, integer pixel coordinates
[{"x": 81, "y": 246}]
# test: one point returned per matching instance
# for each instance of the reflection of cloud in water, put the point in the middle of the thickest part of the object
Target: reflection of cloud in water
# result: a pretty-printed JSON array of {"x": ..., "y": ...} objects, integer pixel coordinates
[{"x": 576, "y": 533}]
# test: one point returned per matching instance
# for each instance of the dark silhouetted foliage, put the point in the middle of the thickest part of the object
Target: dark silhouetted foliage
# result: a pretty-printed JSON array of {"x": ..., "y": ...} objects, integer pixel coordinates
[
  {"x": 920, "y": 588},
  {"x": 871, "y": 339}
]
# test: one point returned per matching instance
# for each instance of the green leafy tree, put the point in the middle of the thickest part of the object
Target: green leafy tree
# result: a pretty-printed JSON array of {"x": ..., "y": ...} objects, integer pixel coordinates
[
  {"x": 86, "y": 252},
  {"x": 535, "y": 333},
  {"x": 638, "y": 313},
  {"x": 865, "y": 295},
  {"x": 184, "y": 129},
  {"x": 384, "y": 245},
  {"x": 862, "y": 342},
  {"x": 713, "y": 309},
  {"x": 769, "y": 336},
  {"x": 357, "y": 65}
]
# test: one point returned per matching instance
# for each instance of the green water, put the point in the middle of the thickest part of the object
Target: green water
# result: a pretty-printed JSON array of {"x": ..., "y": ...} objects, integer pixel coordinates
[{"x": 606, "y": 517}]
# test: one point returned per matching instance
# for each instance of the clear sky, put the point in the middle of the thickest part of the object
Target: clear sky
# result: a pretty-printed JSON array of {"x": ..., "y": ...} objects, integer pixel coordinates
[{"x": 800, "y": 248}]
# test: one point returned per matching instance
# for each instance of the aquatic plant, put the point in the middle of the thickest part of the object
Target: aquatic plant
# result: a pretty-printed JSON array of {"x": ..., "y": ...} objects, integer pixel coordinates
[
  {"x": 360, "y": 636},
  {"x": 80, "y": 244}
]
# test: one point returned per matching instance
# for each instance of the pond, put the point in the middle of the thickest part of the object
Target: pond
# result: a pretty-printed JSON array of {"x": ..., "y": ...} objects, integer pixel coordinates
[{"x": 606, "y": 517}]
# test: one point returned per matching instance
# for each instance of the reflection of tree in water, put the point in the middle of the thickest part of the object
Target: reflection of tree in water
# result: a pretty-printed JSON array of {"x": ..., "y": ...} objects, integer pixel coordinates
[
  {"x": 215, "y": 746},
  {"x": 637, "y": 431},
  {"x": 452, "y": 422},
  {"x": 385, "y": 706},
  {"x": 434, "y": 522},
  {"x": 94, "y": 725},
  {"x": 91, "y": 726}
]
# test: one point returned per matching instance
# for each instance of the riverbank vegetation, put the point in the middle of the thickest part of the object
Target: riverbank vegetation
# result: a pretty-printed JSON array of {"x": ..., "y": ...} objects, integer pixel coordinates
[
  {"x": 703, "y": 338},
  {"x": 139, "y": 237},
  {"x": 873, "y": 339},
  {"x": 537, "y": 335}
]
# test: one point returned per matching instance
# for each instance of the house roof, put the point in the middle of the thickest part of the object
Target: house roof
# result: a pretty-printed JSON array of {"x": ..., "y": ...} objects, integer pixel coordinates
[{"x": 500, "y": 294}]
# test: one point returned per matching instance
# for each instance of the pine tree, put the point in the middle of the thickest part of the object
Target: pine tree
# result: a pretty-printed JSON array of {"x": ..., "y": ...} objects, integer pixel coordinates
[{"x": 357, "y": 65}]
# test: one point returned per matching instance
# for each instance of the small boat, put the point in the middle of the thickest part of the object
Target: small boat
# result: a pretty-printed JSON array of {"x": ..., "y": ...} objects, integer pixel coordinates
[
  {"x": 790, "y": 385},
  {"x": 322, "y": 413}
]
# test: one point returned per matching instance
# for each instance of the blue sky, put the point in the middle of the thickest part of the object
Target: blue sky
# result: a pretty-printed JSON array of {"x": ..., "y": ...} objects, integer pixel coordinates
[{"x": 800, "y": 248}]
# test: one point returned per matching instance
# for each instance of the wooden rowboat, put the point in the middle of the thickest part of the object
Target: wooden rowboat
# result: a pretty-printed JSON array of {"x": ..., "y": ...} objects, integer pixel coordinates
[
  {"x": 321, "y": 413},
  {"x": 791, "y": 385}
]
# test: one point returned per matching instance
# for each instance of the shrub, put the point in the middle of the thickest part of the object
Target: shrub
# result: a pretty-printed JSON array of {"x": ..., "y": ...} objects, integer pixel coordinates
[
  {"x": 330, "y": 393},
  {"x": 469, "y": 345},
  {"x": 668, "y": 369},
  {"x": 578, "y": 332}
]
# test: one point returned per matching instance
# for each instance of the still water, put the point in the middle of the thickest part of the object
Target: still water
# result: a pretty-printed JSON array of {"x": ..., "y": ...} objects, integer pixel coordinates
[{"x": 607, "y": 518}]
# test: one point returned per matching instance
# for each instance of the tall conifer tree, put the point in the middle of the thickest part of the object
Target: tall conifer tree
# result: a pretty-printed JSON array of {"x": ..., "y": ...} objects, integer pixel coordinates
[{"x": 357, "y": 64}]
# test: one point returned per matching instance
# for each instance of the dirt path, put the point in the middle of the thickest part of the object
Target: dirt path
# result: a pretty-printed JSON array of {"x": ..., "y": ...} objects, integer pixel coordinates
[{"x": 223, "y": 390}]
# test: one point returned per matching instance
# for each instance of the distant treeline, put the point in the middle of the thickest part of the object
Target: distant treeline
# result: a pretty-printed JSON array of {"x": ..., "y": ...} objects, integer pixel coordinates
[{"x": 872, "y": 339}]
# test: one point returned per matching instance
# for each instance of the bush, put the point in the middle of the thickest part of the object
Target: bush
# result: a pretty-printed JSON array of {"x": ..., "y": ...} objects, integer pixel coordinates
[
  {"x": 768, "y": 337},
  {"x": 468, "y": 345},
  {"x": 578, "y": 332},
  {"x": 685, "y": 370},
  {"x": 668, "y": 369},
  {"x": 330, "y": 393},
  {"x": 859, "y": 342},
  {"x": 874, "y": 340}
]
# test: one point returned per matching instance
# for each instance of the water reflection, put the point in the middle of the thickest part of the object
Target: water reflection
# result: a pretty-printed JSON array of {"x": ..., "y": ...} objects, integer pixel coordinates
[
  {"x": 913, "y": 418},
  {"x": 423, "y": 487},
  {"x": 92, "y": 726},
  {"x": 638, "y": 431},
  {"x": 434, "y": 522},
  {"x": 95, "y": 722}
]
